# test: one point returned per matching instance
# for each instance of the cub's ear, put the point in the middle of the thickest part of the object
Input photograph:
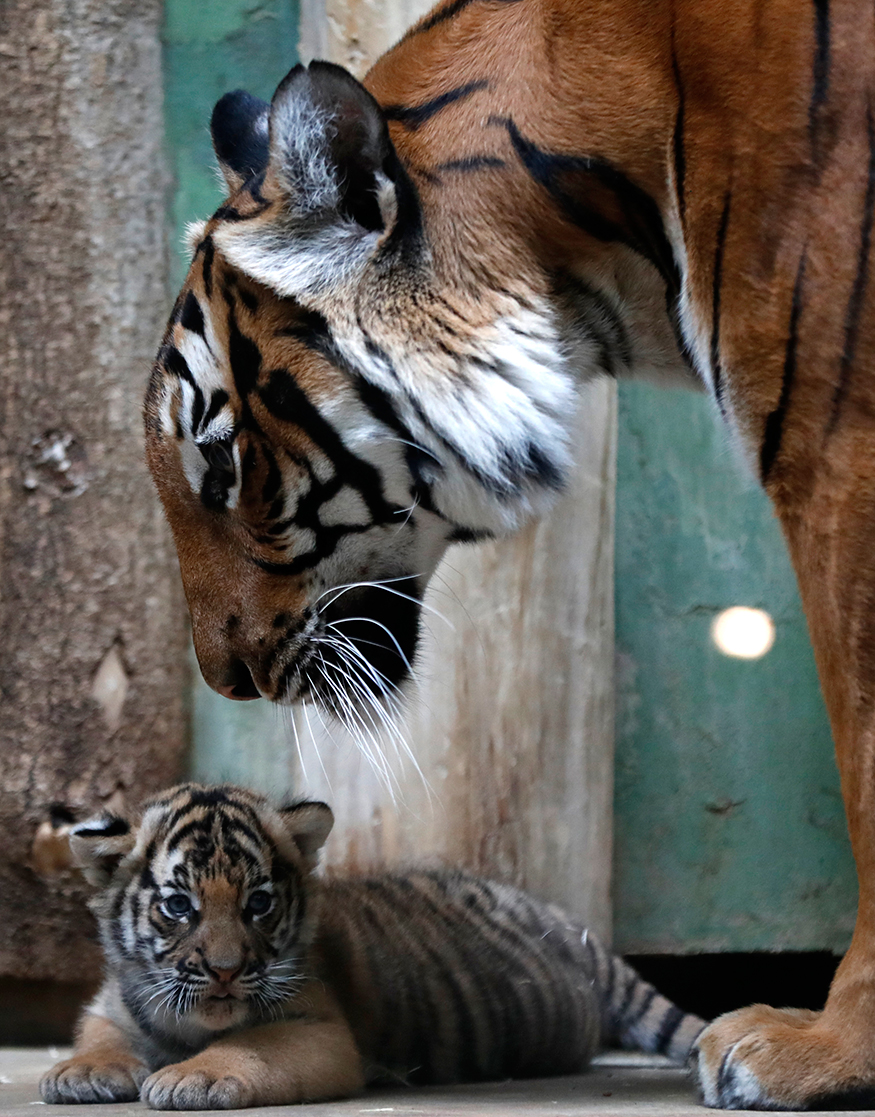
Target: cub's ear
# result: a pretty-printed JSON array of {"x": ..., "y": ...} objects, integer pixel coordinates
[
  {"x": 308, "y": 825},
  {"x": 239, "y": 127},
  {"x": 339, "y": 184},
  {"x": 99, "y": 844}
]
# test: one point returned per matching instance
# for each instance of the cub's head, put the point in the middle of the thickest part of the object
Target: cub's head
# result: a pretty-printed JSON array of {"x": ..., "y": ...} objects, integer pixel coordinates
[
  {"x": 205, "y": 905},
  {"x": 334, "y": 403}
]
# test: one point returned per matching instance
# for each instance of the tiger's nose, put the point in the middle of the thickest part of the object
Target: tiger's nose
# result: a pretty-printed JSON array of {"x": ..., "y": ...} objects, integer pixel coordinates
[
  {"x": 224, "y": 974},
  {"x": 241, "y": 687}
]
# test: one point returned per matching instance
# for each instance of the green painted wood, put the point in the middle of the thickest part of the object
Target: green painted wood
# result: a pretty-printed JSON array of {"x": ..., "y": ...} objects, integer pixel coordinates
[
  {"x": 211, "y": 47},
  {"x": 729, "y": 828}
]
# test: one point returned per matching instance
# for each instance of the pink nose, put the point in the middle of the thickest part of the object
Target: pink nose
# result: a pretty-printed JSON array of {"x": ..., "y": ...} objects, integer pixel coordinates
[
  {"x": 226, "y": 976},
  {"x": 228, "y": 692}
]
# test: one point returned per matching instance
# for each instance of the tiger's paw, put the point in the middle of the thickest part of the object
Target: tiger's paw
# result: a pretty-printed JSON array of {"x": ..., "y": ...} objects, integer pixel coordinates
[
  {"x": 83, "y": 1079},
  {"x": 196, "y": 1084},
  {"x": 768, "y": 1058}
]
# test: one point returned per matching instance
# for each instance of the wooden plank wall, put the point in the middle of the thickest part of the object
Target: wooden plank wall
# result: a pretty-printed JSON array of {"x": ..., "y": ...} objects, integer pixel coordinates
[{"x": 512, "y": 721}]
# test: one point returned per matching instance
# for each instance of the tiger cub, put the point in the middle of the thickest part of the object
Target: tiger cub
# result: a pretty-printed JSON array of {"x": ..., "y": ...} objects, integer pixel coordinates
[{"x": 235, "y": 977}]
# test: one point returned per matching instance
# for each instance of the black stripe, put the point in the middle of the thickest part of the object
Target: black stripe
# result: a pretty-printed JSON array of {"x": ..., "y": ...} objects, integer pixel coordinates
[
  {"x": 174, "y": 362},
  {"x": 441, "y": 16},
  {"x": 244, "y": 357},
  {"x": 203, "y": 824},
  {"x": 716, "y": 371},
  {"x": 774, "y": 429},
  {"x": 820, "y": 89},
  {"x": 192, "y": 317},
  {"x": 680, "y": 161},
  {"x": 642, "y": 229},
  {"x": 472, "y": 163},
  {"x": 672, "y": 1020},
  {"x": 861, "y": 279},
  {"x": 273, "y": 481},
  {"x": 415, "y": 1047},
  {"x": 286, "y": 401},
  {"x": 217, "y": 401},
  {"x": 628, "y": 993},
  {"x": 598, "y": 318},
  {"x": 446, "y": 964},
  {"x": 414, "y": 116},
  {"x": 198, "y": 409},
  {"x": 209, "y": 250},
  {"x": 642, "y": 1009}
]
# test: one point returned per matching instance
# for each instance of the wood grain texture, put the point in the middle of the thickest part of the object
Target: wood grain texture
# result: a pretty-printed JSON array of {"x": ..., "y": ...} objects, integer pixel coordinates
[
  {"x": 91, "y": 664},
  {"x": 512, "y": 718}
]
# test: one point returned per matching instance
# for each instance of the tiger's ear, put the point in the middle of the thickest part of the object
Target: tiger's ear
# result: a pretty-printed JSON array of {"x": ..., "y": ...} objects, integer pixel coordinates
[
  {"x": 239, "y": 128},
  {"x": 333, "y": 169},
  {"x": 99, "y": 844},
  {"x": 308, "y": 825}
]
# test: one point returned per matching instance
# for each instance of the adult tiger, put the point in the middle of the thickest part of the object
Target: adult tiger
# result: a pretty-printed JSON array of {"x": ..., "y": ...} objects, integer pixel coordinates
[{"x": 377, "y": 346}]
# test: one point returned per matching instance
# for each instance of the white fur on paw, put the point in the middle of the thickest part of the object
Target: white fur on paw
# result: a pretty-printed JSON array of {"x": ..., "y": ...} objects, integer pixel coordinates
[{"x": 730, "y": 1085}]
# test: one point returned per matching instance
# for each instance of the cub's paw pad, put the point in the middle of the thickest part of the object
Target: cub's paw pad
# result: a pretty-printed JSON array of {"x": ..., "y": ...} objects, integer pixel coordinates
[
  {"x": 81, "y": 1080},
  {"x": 178, "y": 1087},
  {"x": 774, "y": 1059}
]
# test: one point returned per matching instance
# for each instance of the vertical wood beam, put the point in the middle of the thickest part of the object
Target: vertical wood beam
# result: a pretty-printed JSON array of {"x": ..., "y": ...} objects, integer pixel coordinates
[
  {"x": 92, "y": 659},
  {"x": 512, "y": 720}
]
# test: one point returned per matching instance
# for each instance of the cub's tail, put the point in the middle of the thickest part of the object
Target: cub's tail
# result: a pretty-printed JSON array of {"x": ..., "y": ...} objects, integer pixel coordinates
[{"x": 634, "y": 1014}]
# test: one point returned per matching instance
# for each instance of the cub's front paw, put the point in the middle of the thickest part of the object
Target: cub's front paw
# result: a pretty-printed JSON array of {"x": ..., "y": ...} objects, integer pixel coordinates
[
  {"x": 81, "y": 1079},
  {"x": 769, "y": 1058},
  {"x": 189, "y": 1086}
]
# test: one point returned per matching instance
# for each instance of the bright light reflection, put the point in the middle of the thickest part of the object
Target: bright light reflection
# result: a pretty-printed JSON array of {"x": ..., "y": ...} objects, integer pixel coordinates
[{"x": 742, "y": 632}]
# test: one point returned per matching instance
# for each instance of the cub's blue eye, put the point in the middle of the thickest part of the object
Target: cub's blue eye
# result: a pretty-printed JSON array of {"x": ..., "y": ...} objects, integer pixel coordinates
[
  {"x": 177, "y": 905},
  {"x": 259, "y": 902}
]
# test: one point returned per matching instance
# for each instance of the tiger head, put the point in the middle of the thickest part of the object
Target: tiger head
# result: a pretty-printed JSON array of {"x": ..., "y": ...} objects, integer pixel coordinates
[
  {"x": 205, "y": 905},
  {"x": 334, "y": 402}
]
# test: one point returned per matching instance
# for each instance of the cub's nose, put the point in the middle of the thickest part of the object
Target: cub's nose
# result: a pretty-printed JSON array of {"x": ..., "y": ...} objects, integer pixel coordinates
[
  {"x": 240, "y": 686},
  {"x": 225, "y": 976}
]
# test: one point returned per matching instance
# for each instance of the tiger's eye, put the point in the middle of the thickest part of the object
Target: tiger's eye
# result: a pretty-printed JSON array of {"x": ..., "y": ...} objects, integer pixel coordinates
[
  {"x": 259, "y": 902},
  {"x": 219, "y": 457},
  {"x": 177, "y": 905}
]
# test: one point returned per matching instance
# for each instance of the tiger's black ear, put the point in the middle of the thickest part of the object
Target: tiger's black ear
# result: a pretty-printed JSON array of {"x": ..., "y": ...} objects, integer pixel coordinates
[
  {"x": 239, "y": 127},
  {"x": 328, "y": 143},
  {"x": 99, "y": 844},
  {"x": 308, "y": 824},
  {"x": 342, "y": 188}
]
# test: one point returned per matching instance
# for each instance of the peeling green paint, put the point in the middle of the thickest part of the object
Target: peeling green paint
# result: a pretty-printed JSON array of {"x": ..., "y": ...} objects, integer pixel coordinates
[
  {"x": 730, "y": 832},
  {"x": 211, "y": 47}
]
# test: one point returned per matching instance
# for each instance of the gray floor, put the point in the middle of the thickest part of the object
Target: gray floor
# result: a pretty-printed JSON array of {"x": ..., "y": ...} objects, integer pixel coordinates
[{"x": 617, "y": 1086}]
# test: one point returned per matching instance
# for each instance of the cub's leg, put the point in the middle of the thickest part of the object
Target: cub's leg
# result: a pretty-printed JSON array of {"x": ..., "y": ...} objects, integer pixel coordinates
[
  {"x": 103, "y": 1068},
  {"x": 311, "y": 1059},
  {"x": 824, "y": 490}
]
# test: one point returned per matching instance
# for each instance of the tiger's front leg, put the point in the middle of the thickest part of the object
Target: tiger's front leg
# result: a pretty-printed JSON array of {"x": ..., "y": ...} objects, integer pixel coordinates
[
  {"x": 765, "y": 1058},
  {"x": 310, "y": 1059},
  {"x": 103, "y": 1067}
]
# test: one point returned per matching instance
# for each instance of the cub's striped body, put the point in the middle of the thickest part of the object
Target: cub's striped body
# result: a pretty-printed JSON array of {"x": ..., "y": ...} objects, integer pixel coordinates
[{"x": 235, "y": 977}]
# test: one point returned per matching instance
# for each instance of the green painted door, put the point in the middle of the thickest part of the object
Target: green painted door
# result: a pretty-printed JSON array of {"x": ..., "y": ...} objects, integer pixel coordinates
[{"x": 729, "y": 828}]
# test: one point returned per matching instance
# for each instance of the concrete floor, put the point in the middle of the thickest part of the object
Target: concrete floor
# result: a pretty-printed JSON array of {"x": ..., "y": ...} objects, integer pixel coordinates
[{"x": 619, "y": 1085}]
